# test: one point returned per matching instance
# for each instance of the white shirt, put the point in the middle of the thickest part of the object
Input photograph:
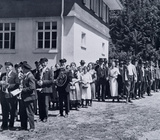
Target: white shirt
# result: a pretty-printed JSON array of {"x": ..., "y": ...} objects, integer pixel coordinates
[{"x": 130, "y": 69}]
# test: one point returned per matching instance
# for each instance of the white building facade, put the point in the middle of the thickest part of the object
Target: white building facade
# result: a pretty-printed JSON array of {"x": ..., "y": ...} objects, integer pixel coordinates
[{"x": 75, "y": 33}]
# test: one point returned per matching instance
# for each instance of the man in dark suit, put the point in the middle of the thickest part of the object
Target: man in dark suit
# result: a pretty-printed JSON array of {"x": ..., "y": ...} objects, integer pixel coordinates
[
  {"x": 63, "y": 88},
  {"x": 28, "y": 95},
  {"x": 9, "y": 82},
  {"x": 45, "y": 83},
  {"x": 101, "y": 80}
]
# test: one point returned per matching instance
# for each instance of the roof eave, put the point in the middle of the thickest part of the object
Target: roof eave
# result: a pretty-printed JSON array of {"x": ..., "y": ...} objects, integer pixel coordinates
[{"x": 114, "y": 4}]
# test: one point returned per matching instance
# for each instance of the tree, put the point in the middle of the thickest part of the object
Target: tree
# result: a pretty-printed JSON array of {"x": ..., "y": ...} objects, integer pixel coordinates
[{"x": 137, "y": 28}]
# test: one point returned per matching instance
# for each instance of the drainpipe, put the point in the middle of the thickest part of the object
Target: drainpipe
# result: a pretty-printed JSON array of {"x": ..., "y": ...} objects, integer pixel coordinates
[{"x": 62, "y": 29}]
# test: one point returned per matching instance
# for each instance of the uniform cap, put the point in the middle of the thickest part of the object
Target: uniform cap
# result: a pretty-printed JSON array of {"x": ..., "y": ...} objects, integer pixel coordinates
[{"x": 8, "y": 64}]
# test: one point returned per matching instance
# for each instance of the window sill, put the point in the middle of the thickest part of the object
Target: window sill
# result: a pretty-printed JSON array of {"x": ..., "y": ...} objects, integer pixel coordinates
[
  {"x": 7, "y": 51},
  {"x": 83, "y": 47},
  {"x": 45, "y": 51}
]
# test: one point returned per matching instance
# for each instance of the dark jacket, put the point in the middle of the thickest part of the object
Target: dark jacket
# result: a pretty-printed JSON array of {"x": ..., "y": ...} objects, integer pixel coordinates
[
  {"x": 29, "y": 88},
  {"x": 47, "y": 81},
  {"x": 140, "y": 77},
  {"x": 13, "y": 83}
]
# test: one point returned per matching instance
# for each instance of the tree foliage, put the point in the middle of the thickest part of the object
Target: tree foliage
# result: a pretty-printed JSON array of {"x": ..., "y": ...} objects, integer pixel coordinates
[{"x": 136, "y": 29}]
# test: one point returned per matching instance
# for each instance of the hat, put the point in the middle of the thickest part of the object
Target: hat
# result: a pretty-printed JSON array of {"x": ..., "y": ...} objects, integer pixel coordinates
[
  {"x": 8, "y": 64},
  {"x": 101, "y": 60},
  {"x": 82, "y": 62},
  {"x": 26, "y": 66},
  {"x": 1, "y": 66},
  {"x": 63, "y": 60},
  {"x": 42, "y": 60},
  {"x": 17, "y": 65},
  {"x": 36, "y": 62}
]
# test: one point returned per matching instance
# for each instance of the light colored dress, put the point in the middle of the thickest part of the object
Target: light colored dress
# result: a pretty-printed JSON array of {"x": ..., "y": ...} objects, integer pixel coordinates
[
  {"x": 93, "y": 86},
  {"x": 113, "y": 74},
  {"x": 86, "y": 79}
]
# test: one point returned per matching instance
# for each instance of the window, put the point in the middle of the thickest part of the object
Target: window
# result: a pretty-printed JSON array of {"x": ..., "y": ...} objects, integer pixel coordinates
[
  {"x": 83, "y": 40},
  {"x": 103, "y": 49},
  {"x": 7, "y": 35},
  {"x": 47, "y": 35},
  {"x": 99, "y": 8}
]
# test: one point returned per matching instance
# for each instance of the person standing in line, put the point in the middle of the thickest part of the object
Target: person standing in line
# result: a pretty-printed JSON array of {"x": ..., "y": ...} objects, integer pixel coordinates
[
  {"x": 94, "y": 78},
  {"x": 139, "y": 79},
  {"x": 101, "y": 80},
  {"x": 121, "y": 80},
  {"x": 62, "y": 81},
  {"x": 86, "y": 79},
  {"x": 75, "y": 96},
  {"x": 157, "y": 72},
  {"x": 9, "y": 82},
  {"x": 28, "y": 95},
  {"x": 113, "y": 75},
  {"x": 45, "y": 83},
  {"x": 107, "y": 88}
]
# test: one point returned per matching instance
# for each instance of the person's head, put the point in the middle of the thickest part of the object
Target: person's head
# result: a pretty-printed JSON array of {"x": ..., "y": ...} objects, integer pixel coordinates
[
  {"x": 85, "y": 70},
  {"x": 8, "y": 66},
  {"x": 26, "y": 67},
  {"x": 90, "y": 65},
  {"x": 57, "y": 66},
  {"x": 101, "y": 61},
  {"x": 73, "y": 65},
  {"x": 82, "y": 62},
  {"x": 80, "y": 69},
  {"x": 37, "y": 64},
  {"x": 43, "y": 62},
  {"x": 62, "y": 62}
]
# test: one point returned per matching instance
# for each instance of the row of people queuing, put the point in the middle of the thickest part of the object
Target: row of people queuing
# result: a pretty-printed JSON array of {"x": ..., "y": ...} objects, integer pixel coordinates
[
  {"x": 23, "y": 88},
  {"x": 71, "y": 86}
]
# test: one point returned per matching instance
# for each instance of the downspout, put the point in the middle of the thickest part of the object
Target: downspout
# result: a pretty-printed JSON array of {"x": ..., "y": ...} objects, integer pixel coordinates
[{"x": 62, "y": 29}]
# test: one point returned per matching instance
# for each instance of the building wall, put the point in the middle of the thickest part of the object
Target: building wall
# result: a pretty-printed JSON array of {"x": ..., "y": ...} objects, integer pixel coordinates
[
  {"x": 26, "y": 42},
  {"x": 92, "y": 50},
  {"x": 69, "y": 38}
]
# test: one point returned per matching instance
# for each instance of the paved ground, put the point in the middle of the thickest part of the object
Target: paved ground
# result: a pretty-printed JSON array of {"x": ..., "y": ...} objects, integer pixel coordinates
[{"x": 102, "y": 121}]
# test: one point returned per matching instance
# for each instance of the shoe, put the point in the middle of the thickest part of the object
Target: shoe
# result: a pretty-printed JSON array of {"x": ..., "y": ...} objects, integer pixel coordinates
[
  {"x": 11, "y": 128},
  {"x": 31, "y": 130},
  {"x": 60, "y": 115},
  {"x": 130, "y": 101},
  {"x": 3, "y": 129},
  {"x": 66, "y": 116},
  {"x": 22, "y": 128},
  {"x": 149, "y": 94},
  {"x": 103, "y": 100},
  {"x": 143, "y": 97},
  {"x": 44, "y": 120}
]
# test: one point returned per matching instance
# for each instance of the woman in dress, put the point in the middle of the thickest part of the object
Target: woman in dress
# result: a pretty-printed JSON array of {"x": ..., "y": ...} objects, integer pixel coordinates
[
  {"x": 75, "y": 96},
  {"x": 86, "y": 79},
  {"x": 93, "y": 73},
  {"x": 113, "y": 74}
]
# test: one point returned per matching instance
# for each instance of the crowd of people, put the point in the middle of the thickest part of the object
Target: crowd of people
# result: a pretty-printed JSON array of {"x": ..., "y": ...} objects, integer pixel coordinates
[{"x": 25, "y": 91}]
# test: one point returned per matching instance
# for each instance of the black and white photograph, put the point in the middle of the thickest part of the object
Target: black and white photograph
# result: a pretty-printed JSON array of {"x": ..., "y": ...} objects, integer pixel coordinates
[{"x": 79, "y": 69}]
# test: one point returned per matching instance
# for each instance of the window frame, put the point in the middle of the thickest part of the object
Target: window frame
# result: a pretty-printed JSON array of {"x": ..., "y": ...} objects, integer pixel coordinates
[
  {"x": 44, "y": 31},
  {"x": 9, "y": 31}
]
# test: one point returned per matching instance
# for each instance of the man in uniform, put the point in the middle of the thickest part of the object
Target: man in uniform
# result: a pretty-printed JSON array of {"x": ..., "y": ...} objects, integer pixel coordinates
[
  {"x": 63, "y": 79},
  {"x": 45, "y": 82},
  {"x": 9, "y": 82},
  {"x": 28, "y": 95}
]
